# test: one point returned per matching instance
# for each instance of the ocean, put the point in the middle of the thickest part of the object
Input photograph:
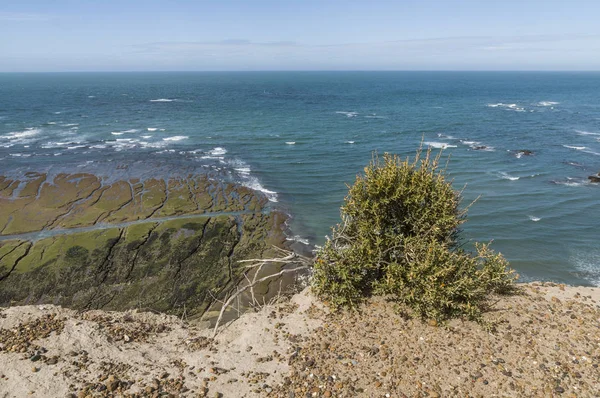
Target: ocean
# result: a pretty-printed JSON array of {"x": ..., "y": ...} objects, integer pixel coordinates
[{"x": 300, "y": 137}]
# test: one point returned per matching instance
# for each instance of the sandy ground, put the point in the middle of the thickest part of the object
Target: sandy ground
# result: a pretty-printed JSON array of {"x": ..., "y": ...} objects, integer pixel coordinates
[{"x": 546, "y": 344}]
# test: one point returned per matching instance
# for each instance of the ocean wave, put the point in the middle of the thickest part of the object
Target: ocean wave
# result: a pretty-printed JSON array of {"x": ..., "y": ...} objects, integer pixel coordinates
[
  {"x": 547, "y": 103},
  {"x": 70, "y": 124},
  {"x": 507, "y": 176},
  {"x": 253, "y": 183},
  {"x": 476, "y": 145},
  {"x": 581, "y": 132},
  {"x": 146, "y": 136},
  {"x": 146, "y": 144},
  {"x": 290, "y": 142},
  {"x": 76, "y": 146},
  {"x": 244, "y": 171},
  {"x": 510, "y": 107},
  {"x": 176, "y": 138},
  {"x": 445, "y": 137},
  {"x": 534, "y": 218},
  {"x": 218, "y": 151},
  {"x": 151, "y": 129},
  {"x": 162, "y": 100},
  {"x": 20, "y": 155},
  {"x": 579, "y": 148},
  {"x": 21, "y": 135},
  {"x": 348, "y": 114},
  {"x": 571, "y": 182},
  {"x": 58, "y": 144},
  {"x": 439, "y": 145},
  {"x": 586, "y": 262},
  {"x": 130, "y": 131},
  {"x": 299, "y": 239},
  {"x": 375, "y": 116},
  {"x": 349, "y": 142}
]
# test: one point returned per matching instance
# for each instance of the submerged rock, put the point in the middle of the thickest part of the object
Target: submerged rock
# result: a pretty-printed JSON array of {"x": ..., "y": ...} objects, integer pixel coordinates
[
  {"x": 524, "y": 152},
  {"x": 594, "y": 178}
]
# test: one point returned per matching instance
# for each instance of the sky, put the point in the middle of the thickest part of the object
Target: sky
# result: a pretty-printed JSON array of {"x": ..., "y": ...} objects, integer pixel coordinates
[{"x": 250, "y": 35}]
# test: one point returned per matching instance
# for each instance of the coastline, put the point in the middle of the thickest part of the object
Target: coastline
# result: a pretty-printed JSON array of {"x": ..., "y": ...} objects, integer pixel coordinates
[
  {"x": 545, "y": 344},
  {"x": 171, "y": 244}
]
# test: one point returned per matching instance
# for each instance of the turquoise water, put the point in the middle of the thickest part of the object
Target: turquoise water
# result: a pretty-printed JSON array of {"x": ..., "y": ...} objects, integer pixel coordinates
[{"x": 300, "y": 137}]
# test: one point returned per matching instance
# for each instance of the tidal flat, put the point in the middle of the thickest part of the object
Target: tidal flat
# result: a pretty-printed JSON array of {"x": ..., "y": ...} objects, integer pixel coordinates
[{"x": 171, "y": 245}]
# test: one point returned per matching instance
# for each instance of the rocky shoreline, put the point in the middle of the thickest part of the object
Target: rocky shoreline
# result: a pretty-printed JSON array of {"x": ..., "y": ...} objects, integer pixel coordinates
[
  {"x": 168, "y": 245},
  {"x": 545, "y": 344}
]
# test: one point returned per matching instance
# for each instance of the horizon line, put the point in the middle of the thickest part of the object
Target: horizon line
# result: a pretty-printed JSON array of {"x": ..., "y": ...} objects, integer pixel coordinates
[{"x": 309, "y": 71}]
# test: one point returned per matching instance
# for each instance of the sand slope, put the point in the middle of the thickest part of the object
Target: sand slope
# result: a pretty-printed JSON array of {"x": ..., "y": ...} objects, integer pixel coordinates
[{"x": 546, "y": 344}]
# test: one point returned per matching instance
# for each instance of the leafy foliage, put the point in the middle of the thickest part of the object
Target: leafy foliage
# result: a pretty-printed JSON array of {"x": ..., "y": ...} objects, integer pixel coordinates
[{"x": 399, "y": 236}]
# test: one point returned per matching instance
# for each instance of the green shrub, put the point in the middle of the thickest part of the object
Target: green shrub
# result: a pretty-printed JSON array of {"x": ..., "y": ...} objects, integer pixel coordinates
[{"x": 399, "y": 236}]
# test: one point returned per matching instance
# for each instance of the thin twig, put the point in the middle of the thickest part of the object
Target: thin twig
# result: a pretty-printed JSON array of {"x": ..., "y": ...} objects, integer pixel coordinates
[{"x": 232, "y": 297}]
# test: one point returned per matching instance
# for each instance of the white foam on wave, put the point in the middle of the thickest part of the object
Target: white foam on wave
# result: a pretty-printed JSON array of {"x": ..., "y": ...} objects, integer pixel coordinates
[
  {"x": 218, "y": 151},
  {"x": 130, "y": 131},
  {"x": 290, "y": 142},
  {"x": 445, "y": 137},
  {"x": 70, "y": 124},
  {"x": 349, "y": 142},
  {"x": 162, "y": 100},
  {"x": 76, "y": 146},
  {"x": 146, "y": 144},
  {"x": 245, "y": 177},
  {"x": 151, "y": 129},
  {"x": 547, "y": 103},
  {"x": 507, "y": 176},
  {"x": 348, "y": 114},
  {"x": 20, "y": 155},
  {"x": 592, "y": 153},
  {"x": 99, "y": 146},
  {"x": 21, "y": 135},
  {"x": 243, "y": 170},
  {"x": 572, "y": 182},
  {"x": 146, "y": 136},
  {"x": 476, "y": 145},
  {"x": 176, "y": 138},
  {"x": 59, "y": 144},
  {"x": 91, "y": 96},
  {"x": 581, "y": 132},
  {"x": 253, "y": 183},
  {"x": 579, "y": 148},
  {"x": 439, "y": 145},
  {"x": 299, "y": 239},
  {"x": 587, "y": 264},
  {"x": 510, "y": 107},
  {"x": 534, "y": 218}
]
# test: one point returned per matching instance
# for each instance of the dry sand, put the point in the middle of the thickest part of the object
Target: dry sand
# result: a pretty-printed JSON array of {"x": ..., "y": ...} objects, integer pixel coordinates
[{"x": 546, "y": 344}]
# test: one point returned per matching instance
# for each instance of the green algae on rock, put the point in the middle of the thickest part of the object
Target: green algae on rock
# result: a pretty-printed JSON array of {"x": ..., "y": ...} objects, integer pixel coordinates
[{"x": 169, "y": 246}]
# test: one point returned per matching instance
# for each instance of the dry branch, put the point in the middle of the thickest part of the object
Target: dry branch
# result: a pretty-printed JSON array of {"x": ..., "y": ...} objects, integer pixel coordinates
[{"x": 289, "y": 258}]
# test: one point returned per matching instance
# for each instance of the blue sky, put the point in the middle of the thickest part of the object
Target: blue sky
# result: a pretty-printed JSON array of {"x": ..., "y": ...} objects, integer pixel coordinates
[{"x": 133, "y": 35}]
